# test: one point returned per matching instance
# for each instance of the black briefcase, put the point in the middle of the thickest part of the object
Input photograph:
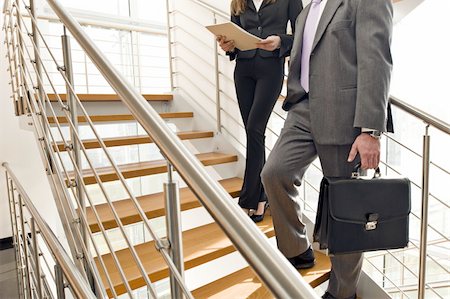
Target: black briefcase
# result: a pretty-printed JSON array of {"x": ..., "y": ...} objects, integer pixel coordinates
[{"x": 359, "y": 214}]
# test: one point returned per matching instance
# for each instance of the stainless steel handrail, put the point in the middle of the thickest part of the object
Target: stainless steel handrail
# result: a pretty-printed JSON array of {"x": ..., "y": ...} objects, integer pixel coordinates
[
  {"x": 425, "y": 117},
  {"x": 271, "y": 266},
  {"x": 78, "y": 284}
]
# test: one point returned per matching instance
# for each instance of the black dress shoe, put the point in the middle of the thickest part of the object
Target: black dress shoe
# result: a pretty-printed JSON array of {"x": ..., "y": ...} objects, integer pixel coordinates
[
  {"x": 327, "y": 295},
  {"x": 259, "y": 218},
  {"x": 303, "y": 261}
]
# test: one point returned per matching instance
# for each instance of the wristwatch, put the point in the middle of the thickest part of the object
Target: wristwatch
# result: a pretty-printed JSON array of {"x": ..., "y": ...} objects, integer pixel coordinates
[{"x": 374, "y": 134}]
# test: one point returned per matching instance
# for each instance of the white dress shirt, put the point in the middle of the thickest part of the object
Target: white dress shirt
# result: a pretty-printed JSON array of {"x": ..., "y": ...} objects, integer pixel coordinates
[
  {"x": 322, "y": 7},
  {"x": 257, "y": 4}
]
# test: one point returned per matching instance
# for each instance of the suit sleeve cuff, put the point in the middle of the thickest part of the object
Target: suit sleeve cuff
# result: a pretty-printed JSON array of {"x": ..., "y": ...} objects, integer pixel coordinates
[
  {"x": 232, "y": 54},
  {"x": 285, "y": 44}
]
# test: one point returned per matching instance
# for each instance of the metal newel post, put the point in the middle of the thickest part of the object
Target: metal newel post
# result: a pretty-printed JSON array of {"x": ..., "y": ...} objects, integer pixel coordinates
[
  {"x": 424, "y": 216},
  {"x": 34, "y": 234},
  {"x": 72, "y": 104},
  {"x": 59, "y": 281},
  {"x": 173, "y": 225},
  {"x": 25, "y": 246},
  {"x": 217, "y": 76}
]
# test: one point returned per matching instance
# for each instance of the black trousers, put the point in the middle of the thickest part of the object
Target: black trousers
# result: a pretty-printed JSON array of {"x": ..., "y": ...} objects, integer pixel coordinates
[{"x": 258, "y": 84}]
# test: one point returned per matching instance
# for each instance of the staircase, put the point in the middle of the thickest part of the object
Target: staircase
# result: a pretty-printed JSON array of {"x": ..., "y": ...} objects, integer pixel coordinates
[
  {"x": 201, "y": 244},
  {"x": 123, "y": 198}
]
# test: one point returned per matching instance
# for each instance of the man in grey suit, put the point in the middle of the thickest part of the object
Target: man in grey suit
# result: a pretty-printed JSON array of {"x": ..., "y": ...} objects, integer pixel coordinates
[{"x": 337, "y": 96}]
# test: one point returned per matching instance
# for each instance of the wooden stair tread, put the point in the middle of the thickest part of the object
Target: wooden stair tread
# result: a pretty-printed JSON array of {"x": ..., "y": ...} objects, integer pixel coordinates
[
  {"x": 84, "y": 97},
  {"x": 153, "y": 206},
  {"x": 245, "y": 284},
  {"x": 118, "y": 117},
  {"x": 139, "y": 139},
  {"x": 138, "y": 169},
  {"x": 200, "y": 245}
]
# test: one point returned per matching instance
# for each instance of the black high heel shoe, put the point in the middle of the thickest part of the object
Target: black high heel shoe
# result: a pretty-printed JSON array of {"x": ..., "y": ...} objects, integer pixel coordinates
[{"x": 259, "y": 218}]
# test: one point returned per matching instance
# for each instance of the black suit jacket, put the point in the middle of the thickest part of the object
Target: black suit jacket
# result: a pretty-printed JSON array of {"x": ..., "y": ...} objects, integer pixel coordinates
[{"x": 271, "y": 19}]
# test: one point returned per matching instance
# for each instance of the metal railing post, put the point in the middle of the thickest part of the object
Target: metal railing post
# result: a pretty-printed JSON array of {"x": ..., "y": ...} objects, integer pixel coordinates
[
  {"x": 18, "y": 246},
  {"x": 39, "y": 87},
  {"x": 22, "y": 104},
  {"x": 173, "y": 226},
  {"x": 424, "y": 215},
  {"x": 217, "y": 78},
  {"x": 75, "y": 148},
  {"x": 9, "y": 45},
  {"x": 169, "y": 39},
  {"x": 38, "y": 274},
  {"x": 13, "y": 216},
  {"x": 17, "y": 61},
  {"x": 59, "y": 281},
  {"x": 25, "y": 246}
]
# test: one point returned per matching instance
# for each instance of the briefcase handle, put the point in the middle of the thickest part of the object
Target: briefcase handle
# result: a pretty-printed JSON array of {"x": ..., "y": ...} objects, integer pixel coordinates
[{"x": 356, "y": 172}]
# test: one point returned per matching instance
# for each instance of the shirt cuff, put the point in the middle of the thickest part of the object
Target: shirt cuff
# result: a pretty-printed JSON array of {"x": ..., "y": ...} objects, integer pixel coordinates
[{"x": 363, "y": 130}]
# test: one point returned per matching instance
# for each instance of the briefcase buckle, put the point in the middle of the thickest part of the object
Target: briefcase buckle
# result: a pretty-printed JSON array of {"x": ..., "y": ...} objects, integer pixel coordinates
[
  {"x": 371, "y": 225},
  {"x": 372, "y": 221}
]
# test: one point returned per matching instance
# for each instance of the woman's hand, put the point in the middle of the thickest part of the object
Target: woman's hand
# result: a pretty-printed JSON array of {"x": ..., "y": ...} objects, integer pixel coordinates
[
  {"x": 226, "y": 45},
  {"x": 271, "y": 43}
]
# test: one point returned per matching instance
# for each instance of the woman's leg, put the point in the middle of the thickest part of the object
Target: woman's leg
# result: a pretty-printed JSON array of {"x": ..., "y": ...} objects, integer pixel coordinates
[
  {"x": 245, "y": 84},
  {"x": 269, "y": 79}
]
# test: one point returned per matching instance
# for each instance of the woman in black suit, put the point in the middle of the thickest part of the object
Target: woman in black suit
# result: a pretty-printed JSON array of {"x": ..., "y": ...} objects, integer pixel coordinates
[{"x": 258, "y": 79}]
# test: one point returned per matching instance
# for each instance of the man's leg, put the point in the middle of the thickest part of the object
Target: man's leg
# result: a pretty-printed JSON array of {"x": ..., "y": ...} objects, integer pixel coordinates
[
  {"x": 284, "y": 169},
  {"x": 346, "y": 268}
]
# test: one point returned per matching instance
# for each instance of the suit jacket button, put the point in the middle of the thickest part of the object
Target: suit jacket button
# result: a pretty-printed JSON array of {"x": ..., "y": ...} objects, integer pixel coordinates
[{"x": 259, "y": 28}]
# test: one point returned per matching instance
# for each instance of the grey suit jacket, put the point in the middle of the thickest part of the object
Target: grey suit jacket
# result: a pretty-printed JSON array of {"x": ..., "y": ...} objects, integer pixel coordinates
[{"x": 350, "y": 69}]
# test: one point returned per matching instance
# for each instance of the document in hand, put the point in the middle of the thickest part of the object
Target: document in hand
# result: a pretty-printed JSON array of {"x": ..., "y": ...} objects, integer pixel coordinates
[{"x": 242, "y": 39}]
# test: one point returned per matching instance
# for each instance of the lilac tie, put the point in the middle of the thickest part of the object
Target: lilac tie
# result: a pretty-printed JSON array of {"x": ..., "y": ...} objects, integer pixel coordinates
[{"x": 308, "y": 38}]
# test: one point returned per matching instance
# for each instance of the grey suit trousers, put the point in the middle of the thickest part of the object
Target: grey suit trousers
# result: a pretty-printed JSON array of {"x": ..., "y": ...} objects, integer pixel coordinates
[{"x": 294, "y": 151}]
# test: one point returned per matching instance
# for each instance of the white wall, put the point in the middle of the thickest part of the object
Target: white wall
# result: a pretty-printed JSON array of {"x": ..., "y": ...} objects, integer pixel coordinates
[{"x": 18, "y": 148}]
